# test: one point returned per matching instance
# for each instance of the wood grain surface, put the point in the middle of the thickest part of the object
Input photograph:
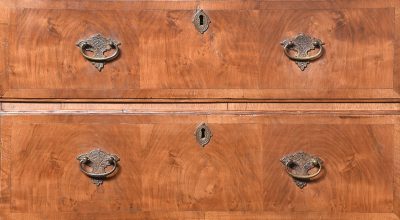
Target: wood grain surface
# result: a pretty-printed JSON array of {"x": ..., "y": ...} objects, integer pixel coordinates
[
  {"x": 165, "y": 174},
  {"x": 202, "y": 108},
  {"x": 354, "y": 157},
  {"x": 298, "y": 215},
  {"x": 145, "y": 107},
  {"x": 239, "y": 57},
  {"x": 207, "y": 216},
  {"x": 396, "y": 67},
  {"x": 191, "y": 4}
]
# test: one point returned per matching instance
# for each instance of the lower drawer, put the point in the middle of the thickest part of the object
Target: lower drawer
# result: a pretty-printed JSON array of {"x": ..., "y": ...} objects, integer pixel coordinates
[{"x": 164, "y": 173}]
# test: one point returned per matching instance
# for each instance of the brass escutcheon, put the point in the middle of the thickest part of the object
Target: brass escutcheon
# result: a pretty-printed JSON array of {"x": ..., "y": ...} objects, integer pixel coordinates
[
  {"x": 201, "y": 21},
  {"x": 203, "y": 134}
]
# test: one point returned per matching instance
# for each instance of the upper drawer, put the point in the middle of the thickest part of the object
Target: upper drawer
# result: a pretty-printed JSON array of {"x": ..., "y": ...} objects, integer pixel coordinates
[{"x": 240, "y": 56}]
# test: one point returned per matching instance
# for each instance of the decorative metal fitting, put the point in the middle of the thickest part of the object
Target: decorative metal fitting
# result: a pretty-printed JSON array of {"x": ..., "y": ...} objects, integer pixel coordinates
[
  {"x": 98, "y": 45},
  {"x": 201, "y": 21},
  {"x": 302, "y": 44},
  {"x": 298, "y": 165},
  {"x": 98, "y": 160},
  {"x": 203, "y": 134}
]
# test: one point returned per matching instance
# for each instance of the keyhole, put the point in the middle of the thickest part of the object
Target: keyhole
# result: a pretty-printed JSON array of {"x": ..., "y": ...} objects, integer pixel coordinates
[
  {"x": 203, "y": 132},
  {"x": 201, "y": 17}
]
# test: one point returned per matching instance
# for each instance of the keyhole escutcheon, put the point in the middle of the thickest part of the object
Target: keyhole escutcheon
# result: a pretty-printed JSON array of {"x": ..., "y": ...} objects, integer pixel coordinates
[
  {"x": 203, "y": 134},
  {"x": 201, "y": 21}
]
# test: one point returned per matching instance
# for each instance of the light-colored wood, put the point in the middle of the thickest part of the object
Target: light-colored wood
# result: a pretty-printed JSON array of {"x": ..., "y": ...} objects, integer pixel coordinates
[
  {"x": 396, "y": 173},
  {"x": 189, "y": 5},
  {"x": 239, "y": 57},
  {"x": 185, "y": 215},
  {"x": 205, "y": 95},
  {"x": 49, "y": 168},
  {"x": 110, "y": 108},
  {"x": 335, "y": 27},
  {"x": 358, "y": 170},
  {"x": 192, "y": 178},
  {"x": 4, "y": 31},
  {"x": 163, "y": 152},
  {"x": 218, "y": 118},
  {"x": 5, "y": 168},
  {"x": 201, "y": 108},
  {"x": 298, "y": 215},
  {"x": 396, "y": 67},
  {"x": 111, "y": 216},
  {"x": 145, "y": 107},
  {"x": 163, "y": 169}
]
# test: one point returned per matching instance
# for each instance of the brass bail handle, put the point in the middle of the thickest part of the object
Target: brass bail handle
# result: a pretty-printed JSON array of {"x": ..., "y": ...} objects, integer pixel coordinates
[
  {"x": 314, "y": 162},
  {"x": 317, "y": 44},
  {"x": 112, "y": 160},
  {"x": 84, "y": 46},
  {"x": 98, "y": 45},
  {"x": 98, "y": 160},
  {"x": 298, "y": 164},
  {"x": 302, "y": 44}
]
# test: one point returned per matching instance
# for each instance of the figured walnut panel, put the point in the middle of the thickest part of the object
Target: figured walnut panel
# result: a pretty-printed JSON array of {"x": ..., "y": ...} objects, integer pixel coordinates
[
  {"x": 163, "y": 169},
  {"x": 224, "y": 175},
  {"x": 358, "y": 49},
  {"x": 187, "y": 176},
  {"x": 239, "y": 57},
  {"x": 358, "y": 174},
  {"x": 44, "y": 163},
  {"x": 44, "y": 55}
]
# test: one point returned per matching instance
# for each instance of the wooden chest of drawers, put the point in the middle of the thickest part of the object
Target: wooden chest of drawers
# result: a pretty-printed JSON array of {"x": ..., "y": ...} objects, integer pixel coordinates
[{"x": 209, "y": 110}]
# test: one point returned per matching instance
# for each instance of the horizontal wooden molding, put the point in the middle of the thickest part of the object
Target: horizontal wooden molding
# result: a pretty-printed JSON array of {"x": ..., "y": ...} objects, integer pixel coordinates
[{"x": 200, "y": 108}]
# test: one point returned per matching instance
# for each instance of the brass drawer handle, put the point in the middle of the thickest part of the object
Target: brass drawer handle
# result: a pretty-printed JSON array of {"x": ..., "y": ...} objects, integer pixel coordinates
[
  {"x": 302, "y": 44},
  {"x": 99, "y": 45},
  {"x": 291, "y": 44},
  {"x": 306, "y": 177},
  {"x": 86, "y": 46},
  {"x": 301, "y": 163},
  {"x": 98, "y": 160}
]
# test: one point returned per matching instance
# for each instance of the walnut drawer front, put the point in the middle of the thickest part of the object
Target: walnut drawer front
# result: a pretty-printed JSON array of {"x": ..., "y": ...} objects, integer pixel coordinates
[
  {"x": 240, "y": 56},
  {"x": 163, "y": 168}
]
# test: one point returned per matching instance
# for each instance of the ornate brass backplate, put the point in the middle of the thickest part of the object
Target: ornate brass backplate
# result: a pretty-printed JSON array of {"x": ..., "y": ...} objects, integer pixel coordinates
[
  {"x": 299, "y": 164},
  {"x": 203, "y": 134},
  {"x": 98, "y": 161},
  {"x": 98, "y": 45},
  {"x": 302, "y": 44},
  {"x": 201, "y": 21}
]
